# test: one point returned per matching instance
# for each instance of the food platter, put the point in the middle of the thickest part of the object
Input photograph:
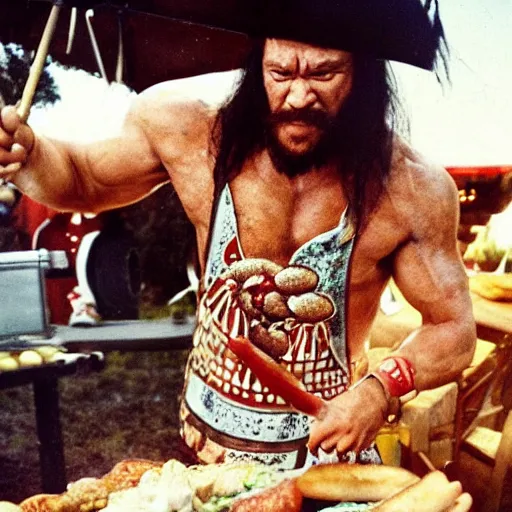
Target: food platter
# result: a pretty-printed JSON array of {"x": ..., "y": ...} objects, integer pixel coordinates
[
  {"x": 246, "y": 486},
  {"x": 143, "y": 485}
]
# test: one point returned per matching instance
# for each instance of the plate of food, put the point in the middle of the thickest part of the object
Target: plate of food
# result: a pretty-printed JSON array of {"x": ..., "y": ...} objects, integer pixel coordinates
[{"x": 147, "y": 486}]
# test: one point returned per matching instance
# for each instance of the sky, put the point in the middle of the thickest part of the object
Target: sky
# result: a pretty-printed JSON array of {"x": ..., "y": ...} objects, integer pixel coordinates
[{"x": 469, "y": 123}]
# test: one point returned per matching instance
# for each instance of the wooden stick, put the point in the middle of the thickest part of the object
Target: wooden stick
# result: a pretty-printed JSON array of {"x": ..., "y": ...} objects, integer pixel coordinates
[
  {"x": 480, "y": 416},
  {"x": 38, "y": 64},
  {"x": 95, "y": 48},
  {"x": 72, "y": 30},
  {"x": 426, "y": 461}
]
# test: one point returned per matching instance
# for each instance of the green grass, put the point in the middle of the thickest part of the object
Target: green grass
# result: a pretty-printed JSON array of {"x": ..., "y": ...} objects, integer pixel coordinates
[{"x": 128, "y": 410}]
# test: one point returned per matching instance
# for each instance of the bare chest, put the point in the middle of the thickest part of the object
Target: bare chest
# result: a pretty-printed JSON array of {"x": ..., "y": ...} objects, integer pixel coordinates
[
  {"x": 274, "y": 222},
  {"x": 375, "y": 249}
]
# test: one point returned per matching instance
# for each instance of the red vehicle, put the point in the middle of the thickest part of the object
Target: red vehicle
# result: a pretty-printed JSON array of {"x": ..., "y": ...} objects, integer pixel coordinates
[{"x": 483, "y": 191}]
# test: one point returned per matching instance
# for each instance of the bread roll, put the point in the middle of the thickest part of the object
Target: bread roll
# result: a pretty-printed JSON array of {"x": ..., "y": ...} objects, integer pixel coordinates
[
  {"x": 274, "y": 343},
  {"x": 433, "y": 493},
  {"x": 240, "y": 271},
  {"x": 311, "y": 307},
  {"x": 8, "y": 364},
  {"x": 354, "y": 482},
  {"x": 295, "y": 279},
  {"x": 30, "y": 358},
  {"x": 274, "y": 306}
]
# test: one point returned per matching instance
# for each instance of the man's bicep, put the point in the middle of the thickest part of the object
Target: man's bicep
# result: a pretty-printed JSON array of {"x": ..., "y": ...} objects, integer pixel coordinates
[
  {"x": 428, "y": 267},
  {"x": 158, "y": 132},
  {"x": 127, "y": 156},
  {"x": 119, "y": 170},
  {"x": 432, "y": 280}
]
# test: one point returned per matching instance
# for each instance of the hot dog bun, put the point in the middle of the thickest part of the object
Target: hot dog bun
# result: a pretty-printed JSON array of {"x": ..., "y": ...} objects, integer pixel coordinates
[
  {"x": 433, "y": 493},
  {"x": 354, "y": 482}
]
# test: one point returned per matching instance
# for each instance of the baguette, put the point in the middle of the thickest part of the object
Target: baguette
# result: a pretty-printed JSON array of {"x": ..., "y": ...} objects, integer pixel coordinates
[
  {"x": 354, "y": 482},
  {"x": 433, "y": 493}
]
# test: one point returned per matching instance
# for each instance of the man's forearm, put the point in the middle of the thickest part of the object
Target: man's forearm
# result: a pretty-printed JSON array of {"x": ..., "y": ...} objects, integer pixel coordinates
[{"x": 439, "y": 353}]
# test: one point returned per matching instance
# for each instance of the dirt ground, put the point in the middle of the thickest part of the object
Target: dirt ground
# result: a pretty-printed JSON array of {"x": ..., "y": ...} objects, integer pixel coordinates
[{"x": 128, "y": 410}]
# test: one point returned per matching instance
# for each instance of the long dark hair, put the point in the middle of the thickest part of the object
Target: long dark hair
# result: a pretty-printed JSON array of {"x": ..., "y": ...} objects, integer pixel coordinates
[{"x": 365, "y": 126}]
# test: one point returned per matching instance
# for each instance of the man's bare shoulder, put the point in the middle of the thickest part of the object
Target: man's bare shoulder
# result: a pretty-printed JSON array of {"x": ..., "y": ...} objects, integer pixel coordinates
[
  {"x": 419, "y": 184},
  {"x": 163, "y": 111}
]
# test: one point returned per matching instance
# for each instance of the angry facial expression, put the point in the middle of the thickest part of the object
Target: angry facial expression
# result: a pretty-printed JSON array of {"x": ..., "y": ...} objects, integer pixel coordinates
[{"x": 306, "y": 87}]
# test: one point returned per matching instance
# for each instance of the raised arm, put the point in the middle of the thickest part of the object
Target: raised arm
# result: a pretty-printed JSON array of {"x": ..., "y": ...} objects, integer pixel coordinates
[{"x": 95, "y": 176}]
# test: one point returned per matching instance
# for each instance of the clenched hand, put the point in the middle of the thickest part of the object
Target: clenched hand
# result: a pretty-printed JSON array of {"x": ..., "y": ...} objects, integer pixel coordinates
[
  {"x": 351, "y": 421},
  {"x": 16, "y": 142}
]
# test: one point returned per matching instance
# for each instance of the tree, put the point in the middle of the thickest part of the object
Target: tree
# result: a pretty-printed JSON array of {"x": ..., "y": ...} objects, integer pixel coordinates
[{"x": 14, "y": 69}]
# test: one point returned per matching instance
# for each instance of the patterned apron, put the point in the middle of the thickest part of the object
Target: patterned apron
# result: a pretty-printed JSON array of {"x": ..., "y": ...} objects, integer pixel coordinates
[{"x": 226, "y": 414}]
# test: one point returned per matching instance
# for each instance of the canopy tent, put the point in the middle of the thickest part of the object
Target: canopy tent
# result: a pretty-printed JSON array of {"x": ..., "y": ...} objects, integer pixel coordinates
[
  {"x": 156, "y": 40},
  {"x": 466, "y": 124}
]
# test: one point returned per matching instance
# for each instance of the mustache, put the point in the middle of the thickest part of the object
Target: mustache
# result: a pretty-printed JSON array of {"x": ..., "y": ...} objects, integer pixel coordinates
[{"x": 318, "y": 118}]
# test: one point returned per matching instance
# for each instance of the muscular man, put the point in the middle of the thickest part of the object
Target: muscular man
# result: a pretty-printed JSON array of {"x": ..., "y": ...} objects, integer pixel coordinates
[{"x": 305, "y": 203}]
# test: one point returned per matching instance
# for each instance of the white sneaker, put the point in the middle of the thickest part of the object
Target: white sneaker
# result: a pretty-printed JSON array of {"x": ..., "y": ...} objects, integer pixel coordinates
[{"x": 84, "y": 313}]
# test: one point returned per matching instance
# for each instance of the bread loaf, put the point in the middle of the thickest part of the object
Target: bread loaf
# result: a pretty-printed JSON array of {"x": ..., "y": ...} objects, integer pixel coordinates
[
  {"x": 354, "y": 482},
  {"x": 433, "y": 493}
]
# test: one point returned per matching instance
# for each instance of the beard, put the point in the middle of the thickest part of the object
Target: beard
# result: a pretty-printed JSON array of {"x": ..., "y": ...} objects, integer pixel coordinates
[{"x": 293, "y": 164}]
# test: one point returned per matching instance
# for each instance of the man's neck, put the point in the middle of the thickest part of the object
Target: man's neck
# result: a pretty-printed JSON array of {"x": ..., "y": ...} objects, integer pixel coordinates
[{"x": 263, "y": 165}]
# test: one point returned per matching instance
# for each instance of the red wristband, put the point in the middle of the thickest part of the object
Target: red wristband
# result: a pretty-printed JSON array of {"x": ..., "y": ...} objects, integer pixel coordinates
[{"x": 396, "y": 374}]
